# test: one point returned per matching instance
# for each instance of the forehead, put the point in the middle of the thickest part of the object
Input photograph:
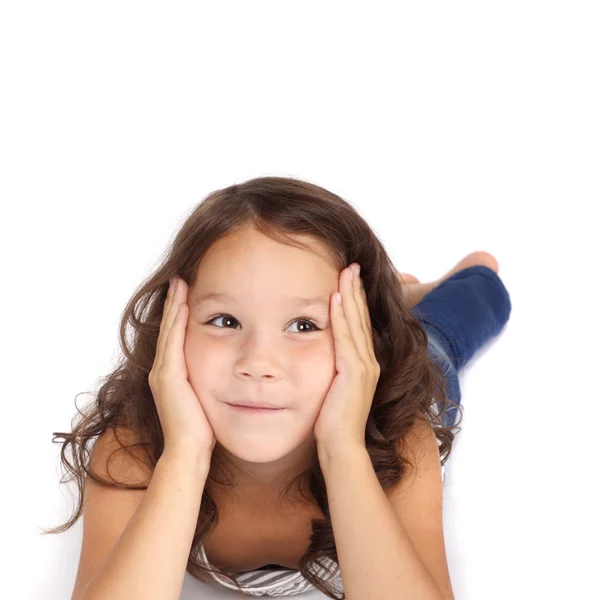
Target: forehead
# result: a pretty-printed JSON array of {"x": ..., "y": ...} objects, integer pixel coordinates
[
  {"x": 319, "y": 300},
  {"x": 257, "y": 265},
  {"x": 252, "y": 248}
]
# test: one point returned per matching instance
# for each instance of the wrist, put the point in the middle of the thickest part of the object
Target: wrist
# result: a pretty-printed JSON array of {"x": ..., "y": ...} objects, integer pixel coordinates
[
  {"x": 340, "y": 453},
  {"x": 187, "y": 454}
]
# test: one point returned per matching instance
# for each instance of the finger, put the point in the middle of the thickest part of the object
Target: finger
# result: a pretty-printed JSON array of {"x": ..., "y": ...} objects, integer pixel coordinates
[
  {"x": 353, "y": 318},
  {"x": 366, "y": 319},
  {"x": 166, "y": 324},
  {"x": 160, "y": 342},
  {"x": 173, "y": 359},
  {"x": 362, "y": 310},
  {"x": 344, "y": 348}
]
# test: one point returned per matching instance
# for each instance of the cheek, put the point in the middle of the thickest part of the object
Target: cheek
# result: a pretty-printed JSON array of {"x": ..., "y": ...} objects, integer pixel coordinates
[
  {"x": 320, "y": 361},
  {"x": 201, "y": 358},
  {"x": 315, "y": 371}
]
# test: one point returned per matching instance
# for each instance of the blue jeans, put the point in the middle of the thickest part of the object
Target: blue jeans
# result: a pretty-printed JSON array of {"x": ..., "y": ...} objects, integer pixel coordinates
[{"x": 459, "y": 316}]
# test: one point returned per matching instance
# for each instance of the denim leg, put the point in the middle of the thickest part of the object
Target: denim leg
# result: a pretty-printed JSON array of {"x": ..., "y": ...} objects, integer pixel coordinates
[
  {"x": 436, "y": 351},
  {"x": 460, "y": 316}
]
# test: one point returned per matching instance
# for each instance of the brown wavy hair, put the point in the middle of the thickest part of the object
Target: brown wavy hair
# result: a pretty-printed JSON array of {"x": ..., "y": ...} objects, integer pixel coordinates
[{"x": 411, "y": 386}]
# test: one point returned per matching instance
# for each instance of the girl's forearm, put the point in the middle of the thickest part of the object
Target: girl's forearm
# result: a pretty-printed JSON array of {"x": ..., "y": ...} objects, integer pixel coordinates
[
  {"x": 377, "y": 559},
  {"x": 150, "y": 559}
]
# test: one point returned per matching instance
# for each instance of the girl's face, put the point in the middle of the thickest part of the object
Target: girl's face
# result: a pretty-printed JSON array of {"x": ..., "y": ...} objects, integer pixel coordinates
[{"x": 259, "y": 343}]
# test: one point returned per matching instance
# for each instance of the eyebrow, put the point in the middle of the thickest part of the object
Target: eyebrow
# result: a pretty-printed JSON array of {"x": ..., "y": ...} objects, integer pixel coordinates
[{"x": 295, "y": 300}]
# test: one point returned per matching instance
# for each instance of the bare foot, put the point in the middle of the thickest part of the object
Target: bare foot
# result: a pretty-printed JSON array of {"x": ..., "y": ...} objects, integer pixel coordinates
[
  {"x": 414, "y": 290},
  {"x": 407, "y": 278}
]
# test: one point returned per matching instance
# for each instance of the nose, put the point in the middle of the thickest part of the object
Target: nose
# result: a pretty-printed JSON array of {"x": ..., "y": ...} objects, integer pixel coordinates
[
  {"x": 257, "y": 367},
  {"x": 258, "y": 357},
  {"x": 251, "y": 376}
]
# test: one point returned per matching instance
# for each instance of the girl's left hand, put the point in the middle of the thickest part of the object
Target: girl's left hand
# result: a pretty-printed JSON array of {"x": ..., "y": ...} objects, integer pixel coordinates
[{"x": 343, "y": 416}]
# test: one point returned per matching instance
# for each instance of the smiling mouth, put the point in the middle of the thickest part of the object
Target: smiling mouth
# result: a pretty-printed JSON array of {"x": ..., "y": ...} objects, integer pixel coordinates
[{"x": 253, "y": 408}]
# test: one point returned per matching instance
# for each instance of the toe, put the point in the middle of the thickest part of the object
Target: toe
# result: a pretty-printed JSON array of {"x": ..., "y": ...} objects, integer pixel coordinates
[
  {"x": 408, "y": 278},
  {"x": 486, "y": 259}
]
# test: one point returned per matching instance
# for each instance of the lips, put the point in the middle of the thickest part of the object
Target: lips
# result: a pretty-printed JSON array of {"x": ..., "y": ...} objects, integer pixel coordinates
[
  {"x": 265, "y": 406},
  {"x": 254, "y": 411},
  {"x": 248, "y": 404}
]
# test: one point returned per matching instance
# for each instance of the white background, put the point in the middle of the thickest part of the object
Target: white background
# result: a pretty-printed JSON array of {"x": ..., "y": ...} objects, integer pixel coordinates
[{"x": 451, "y": 126}]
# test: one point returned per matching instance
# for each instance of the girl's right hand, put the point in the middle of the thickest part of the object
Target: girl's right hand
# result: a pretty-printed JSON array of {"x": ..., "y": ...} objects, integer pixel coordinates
[{"x": 184, "y": 423}]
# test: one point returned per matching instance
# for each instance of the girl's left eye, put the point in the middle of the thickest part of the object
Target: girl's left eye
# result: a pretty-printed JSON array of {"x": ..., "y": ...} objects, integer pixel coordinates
[{"x": 300, "y": 320}]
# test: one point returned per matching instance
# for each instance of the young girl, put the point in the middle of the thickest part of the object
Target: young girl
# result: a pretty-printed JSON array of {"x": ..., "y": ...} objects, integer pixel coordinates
[{"x": 330, "y": 477}]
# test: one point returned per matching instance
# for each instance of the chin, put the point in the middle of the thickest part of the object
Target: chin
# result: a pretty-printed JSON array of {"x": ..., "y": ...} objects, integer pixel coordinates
[
  {"x": 261, "y": 447},
  {"x": 259, "y": 453}
]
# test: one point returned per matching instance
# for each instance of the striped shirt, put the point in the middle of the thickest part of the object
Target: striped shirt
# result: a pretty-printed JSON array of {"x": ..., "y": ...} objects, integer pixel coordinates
[{"x": 278, "y": 582}]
